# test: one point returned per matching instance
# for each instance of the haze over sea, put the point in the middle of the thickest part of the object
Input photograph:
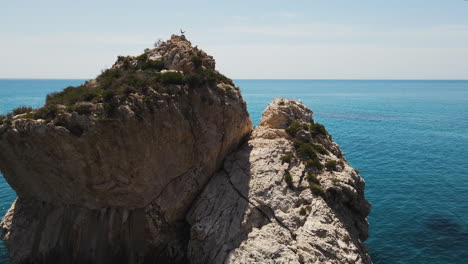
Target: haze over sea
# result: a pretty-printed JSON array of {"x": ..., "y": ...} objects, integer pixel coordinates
[{"x": 409, "y": 139}]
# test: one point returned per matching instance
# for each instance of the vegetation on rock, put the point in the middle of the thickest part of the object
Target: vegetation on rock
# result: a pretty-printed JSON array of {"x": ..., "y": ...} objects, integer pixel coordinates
[
  {"x": 318, "y": 190},
  {"x": 331, "y": 165},
  {"x": 288, "y": 179},
  {"x": 312, "y": 178},
  {"x": 22, "y": 110},
  {"x": 287, "y": 158},
  {"x": 142, "y": 75}
]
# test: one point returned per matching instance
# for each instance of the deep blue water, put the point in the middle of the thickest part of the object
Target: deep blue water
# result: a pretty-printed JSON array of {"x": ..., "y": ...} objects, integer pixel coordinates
[{"x": 408, "y": 138}]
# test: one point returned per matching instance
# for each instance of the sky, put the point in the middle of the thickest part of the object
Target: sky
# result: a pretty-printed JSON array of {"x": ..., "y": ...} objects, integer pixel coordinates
[{"x": 256, "y": 39}]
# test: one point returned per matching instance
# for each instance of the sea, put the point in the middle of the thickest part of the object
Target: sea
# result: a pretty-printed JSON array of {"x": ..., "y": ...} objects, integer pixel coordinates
[{"x": 408, "y": 138}]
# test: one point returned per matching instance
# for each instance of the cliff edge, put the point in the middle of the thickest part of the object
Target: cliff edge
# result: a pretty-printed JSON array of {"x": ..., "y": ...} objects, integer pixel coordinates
[
  {"x": 155, "y": 161},
  {"x": 285, "y": 196}
]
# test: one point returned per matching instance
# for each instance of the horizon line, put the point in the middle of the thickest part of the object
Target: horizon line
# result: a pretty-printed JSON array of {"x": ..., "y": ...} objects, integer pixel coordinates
[{"x": 266, "y": 79}]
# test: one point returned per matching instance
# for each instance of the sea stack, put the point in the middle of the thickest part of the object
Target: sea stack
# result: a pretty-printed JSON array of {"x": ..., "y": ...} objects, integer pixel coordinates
[{"x": 156, "y": 161}]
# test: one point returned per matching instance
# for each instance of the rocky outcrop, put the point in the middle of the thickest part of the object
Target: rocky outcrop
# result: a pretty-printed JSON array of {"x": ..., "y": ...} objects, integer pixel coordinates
[
  {"x": 155, "y": 161},
  {"x": 120, "y": 188},
  {"x": 249, "y": 214}
]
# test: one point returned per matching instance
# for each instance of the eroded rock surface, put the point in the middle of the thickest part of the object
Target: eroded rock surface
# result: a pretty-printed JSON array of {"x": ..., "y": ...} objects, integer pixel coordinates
[
  {"x": 120, "y": 188},
  {"x": 157, "y": 162},
  {"x": 249, "y": 214}
]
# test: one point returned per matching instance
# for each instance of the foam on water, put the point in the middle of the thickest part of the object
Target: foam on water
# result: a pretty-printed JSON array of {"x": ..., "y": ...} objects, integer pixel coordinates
[{"x": 409, "y": 139}]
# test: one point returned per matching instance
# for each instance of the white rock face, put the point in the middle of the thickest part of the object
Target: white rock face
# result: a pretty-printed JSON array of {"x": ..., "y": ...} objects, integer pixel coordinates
[
  {"x": 248, "y": 214},
  {"x": 171, "y": 178},
  {"x": 92, "y": 191}
]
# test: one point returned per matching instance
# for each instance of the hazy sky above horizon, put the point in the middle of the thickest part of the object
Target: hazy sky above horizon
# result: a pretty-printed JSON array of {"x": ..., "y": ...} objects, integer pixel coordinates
[{"x": 314, "y": 39}]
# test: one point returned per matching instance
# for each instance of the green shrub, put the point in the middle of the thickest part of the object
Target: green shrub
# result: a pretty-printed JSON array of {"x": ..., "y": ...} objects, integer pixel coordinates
[
  {"x": 109, "y": 76},
  {"x": 294, "y": 128},
  {"x": 110, "y": 108},
  {"x": 314, "y": 163},
  {"x": 172, "y": 78},
  {"x": 72, "y": 95},
  {"x": 206, "y": 76},
  {"x": 46, "y": 112},
  {"x": 109, "y": 95},
  {"x": 281, "y": 102},
  {"x": 125, "y": 62},
  {"x": 335, "y": 180},
  {"x": 317, "y": 129},
  {"x": 221, "y": 78},
  {"x": 287, "y": 158},
  {"x": 307, "y": 151},
  {"x": 129, "y": 90},
  {"x": 157, "y": 65},
  {"x": 312, "y": 178},
  {"x": 318, "y": 190},
  {"x": 197, "y": 61},
  {"x": 309, "y": 208},
  {"x": 22, "y": 110},
  {"x": 330, "y": 165},
  {"x": 143, "y": 57},
  {"x": 29, "y": 115},
  {"x": 320, "y": 149},
  {"x": 288, "y": 179},
  {"x": 82, "y": 109},
  {"x": 303, "y": 211}
]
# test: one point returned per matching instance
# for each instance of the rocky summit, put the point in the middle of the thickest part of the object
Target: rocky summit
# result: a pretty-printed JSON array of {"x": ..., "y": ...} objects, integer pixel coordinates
[{"x": 156, "y": 161}]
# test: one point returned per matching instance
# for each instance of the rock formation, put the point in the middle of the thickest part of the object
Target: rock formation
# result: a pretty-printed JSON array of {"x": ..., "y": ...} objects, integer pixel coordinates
[
  {"x": 149, "y": 163},
  {"x": 250, "y": 213}
]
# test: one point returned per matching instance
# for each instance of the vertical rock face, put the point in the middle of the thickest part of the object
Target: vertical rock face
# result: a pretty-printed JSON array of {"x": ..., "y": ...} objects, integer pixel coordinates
[
  {"x": 270, "y": 201},
  {"x": 104, "y": 186},
  {"x": 148, "y": 164}
]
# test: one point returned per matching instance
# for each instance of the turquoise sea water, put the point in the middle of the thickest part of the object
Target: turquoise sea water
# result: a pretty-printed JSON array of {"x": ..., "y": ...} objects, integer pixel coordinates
[{"x": 409, "y": 139}]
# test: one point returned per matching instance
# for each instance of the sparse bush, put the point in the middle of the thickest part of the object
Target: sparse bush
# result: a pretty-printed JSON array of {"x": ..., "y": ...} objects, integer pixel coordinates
[
  {"x": 287, "y": 158},
  {"x": 129, "y": 90},
  {"x": 320, "y": 149},
  {"x": 109, "y": 75},
  {"x": 314, "y": 164},
  {"x": 335, "y": 180},
  {"x": 110, "y": 108},
  {"x": 72, "y": 95},
  {"x": 172, "y": 78},
  {"x": 281, "y": 102},
  {"x": 288, "y": 179},
  {"x": 46, "y": 112},
  {"x": 206, "y": 76},
  {"x": 312, "y": 178},
  {"x": 28, "y": 115},
  {"x": 158, "y": 43},
  {"x": 303, "y": 211},
  {"x": 330, "y": 165},
  {"x": 22, "y": 110},
  {"x": 309, "y": 208},
  {"x": 143, "y": 57},
  {"x": 157, "y": 65},
  {"x": 197, "y": 61},
  {"x": 82, "y": 109},
  {"x": 317, "y": 129},
  {"x": 318, "y": 190},
  {"x": 307, "y": 151},
  {"x": 294, "y": 128},
  {"x": 109, "y": 95}
]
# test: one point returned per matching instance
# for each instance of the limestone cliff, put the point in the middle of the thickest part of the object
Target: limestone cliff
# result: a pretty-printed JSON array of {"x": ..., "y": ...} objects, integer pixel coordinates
[
  {"x": 273, "y": 202},
  {"x": 155, "y": 161},
  {"x": 111, "y": 176}
]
